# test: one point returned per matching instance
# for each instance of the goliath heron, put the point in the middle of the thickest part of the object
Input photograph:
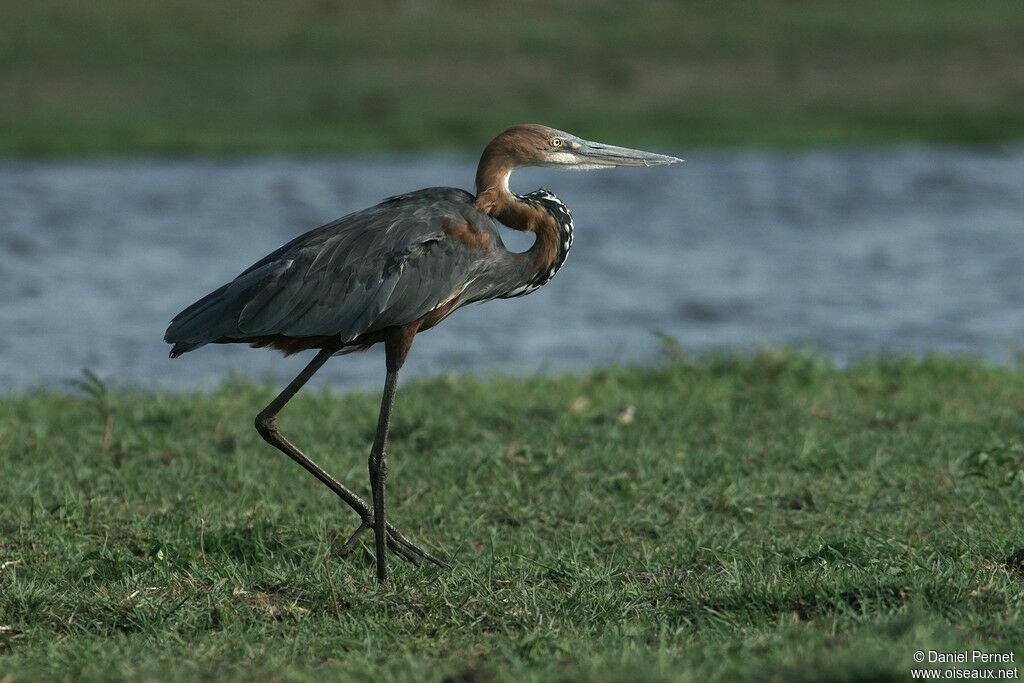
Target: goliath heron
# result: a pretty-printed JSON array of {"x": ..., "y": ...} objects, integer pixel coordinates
[{"x": 388, "y": 272}]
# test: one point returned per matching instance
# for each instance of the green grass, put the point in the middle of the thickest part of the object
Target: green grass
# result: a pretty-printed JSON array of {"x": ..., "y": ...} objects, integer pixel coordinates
[
  {"x": 767, "y": 517},
  {"x": 322, "y": 76}
]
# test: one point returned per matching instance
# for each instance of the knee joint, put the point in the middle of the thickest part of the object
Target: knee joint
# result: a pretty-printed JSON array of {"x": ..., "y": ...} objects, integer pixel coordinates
[{"x": 266, "y": 424}]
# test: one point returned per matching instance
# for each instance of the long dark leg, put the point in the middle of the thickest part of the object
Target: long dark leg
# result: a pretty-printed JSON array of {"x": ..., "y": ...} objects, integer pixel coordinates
[
  {"x": 397, "y": 342},
  {"x": 266, "y": 425},
  {"x": 378, "y": 465}
]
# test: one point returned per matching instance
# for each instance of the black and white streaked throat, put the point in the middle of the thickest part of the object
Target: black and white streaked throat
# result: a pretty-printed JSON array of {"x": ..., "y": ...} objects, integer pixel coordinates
[{"x": 547, "y": 201}]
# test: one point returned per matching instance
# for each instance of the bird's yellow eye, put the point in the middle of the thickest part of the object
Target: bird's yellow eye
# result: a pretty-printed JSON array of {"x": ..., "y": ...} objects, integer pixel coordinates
[{"x": 556, "y": 142}]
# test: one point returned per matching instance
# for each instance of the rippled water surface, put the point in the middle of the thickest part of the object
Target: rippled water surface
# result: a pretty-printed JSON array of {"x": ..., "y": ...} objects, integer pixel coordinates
[{"x": 849, "y": 252}]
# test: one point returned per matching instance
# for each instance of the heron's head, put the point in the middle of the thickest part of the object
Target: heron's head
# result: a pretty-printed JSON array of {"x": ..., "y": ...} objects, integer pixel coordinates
[{"x": 535, "y": 145}]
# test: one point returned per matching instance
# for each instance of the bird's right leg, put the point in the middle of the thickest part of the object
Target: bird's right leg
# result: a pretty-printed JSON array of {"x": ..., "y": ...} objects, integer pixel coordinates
[{"x": 266, "y": 425}]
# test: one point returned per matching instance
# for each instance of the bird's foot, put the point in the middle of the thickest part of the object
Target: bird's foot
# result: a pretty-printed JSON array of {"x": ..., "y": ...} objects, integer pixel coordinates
[{"x": 398, "y": 543}]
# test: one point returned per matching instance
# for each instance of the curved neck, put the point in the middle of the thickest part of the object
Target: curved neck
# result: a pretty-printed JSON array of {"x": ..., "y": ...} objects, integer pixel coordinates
[
  {"x": 539, "y": 212},
  {"x": 494, "y": 198}
]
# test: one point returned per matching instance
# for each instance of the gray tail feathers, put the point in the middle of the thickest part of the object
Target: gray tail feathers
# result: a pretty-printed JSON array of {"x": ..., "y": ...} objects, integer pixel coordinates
[
  {"x": 205, "y": 321},
  {"x": 181, "y": 348},
  {"x": 220, "y": 313}
]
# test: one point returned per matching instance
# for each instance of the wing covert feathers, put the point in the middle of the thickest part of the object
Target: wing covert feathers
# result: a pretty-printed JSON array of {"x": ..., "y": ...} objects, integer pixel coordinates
[{"x": 387, "y": 265}]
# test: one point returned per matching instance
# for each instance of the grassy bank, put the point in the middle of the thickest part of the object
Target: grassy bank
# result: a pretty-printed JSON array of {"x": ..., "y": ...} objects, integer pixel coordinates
[
  {"x": 189, "y": 76},
  {"x": 766, "y": 517}
]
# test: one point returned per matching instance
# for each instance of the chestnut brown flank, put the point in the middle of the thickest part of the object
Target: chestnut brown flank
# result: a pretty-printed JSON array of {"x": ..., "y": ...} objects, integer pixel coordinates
[{"x": 468, "y": 235}]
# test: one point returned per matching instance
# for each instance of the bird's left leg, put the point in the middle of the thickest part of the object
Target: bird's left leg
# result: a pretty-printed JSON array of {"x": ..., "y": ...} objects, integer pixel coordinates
[
  {"x": 397, "y": 342},
  {"x": 378, "y": 465}
]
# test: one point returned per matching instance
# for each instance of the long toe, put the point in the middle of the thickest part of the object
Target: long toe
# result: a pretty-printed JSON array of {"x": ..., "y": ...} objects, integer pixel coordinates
[
  {"x": 397, "y": 542},
  {"x": 409, "y": 551}
]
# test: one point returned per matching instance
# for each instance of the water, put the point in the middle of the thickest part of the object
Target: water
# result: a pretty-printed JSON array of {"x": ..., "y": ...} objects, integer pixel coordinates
[{"x": 849, "y": 252}]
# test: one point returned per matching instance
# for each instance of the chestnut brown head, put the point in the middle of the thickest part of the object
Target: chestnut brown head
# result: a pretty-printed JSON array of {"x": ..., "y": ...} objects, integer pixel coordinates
[{"x": 532, "y": 144}]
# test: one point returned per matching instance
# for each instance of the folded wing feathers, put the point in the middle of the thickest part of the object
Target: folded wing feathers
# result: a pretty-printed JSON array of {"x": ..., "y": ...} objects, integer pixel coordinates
[{"x": 372, "y": 269}]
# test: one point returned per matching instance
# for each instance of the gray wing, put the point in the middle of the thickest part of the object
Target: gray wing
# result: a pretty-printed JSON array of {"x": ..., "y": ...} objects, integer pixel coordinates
[{"x": 388, "y": 265}]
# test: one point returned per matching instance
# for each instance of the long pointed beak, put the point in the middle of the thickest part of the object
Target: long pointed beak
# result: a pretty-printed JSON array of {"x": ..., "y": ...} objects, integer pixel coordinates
[{"x": 598, "y": 155}]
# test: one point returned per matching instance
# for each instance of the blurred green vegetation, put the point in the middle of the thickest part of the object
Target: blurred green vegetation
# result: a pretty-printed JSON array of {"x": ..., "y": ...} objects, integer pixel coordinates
[{"x": 185, "y": 76}]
